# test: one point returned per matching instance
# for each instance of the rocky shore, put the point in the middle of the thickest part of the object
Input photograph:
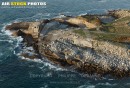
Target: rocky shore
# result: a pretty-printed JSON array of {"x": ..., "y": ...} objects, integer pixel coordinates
[{"x": 91, "y": 44}]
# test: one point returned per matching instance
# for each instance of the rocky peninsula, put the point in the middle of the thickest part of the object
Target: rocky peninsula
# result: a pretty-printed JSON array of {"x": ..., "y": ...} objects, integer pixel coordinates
[{"x": 90, "y": 44}]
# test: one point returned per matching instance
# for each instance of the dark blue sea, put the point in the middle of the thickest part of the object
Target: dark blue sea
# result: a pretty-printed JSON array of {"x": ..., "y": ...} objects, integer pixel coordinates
[{"x": 20, "y": 72}]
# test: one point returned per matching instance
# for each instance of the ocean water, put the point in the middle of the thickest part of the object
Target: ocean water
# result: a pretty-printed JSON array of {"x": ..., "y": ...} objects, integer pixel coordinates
[{"x": 19, "y": 72}]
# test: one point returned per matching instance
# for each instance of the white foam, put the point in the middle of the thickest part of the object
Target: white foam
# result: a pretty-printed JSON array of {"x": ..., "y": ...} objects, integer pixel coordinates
[
  {"x": 60, "y": 16},
  {"x": 52, "y": 66},
  {"x": 1, "y": 54},
  {"x": 105, "y": 84},
  {"x": 7, "y": 32},
  {"x": 11, "y": 38},
  {"x": 111, "y": 79},
  {"x": 4, "y": 26},
  {"x": 83, "y": 14},
  {"x": 45, "y": 86},
  {"x": 99, "y": 84},
  {"x": 102, "y": 1},
  {"x": 32, "y": 60},
  {"x": 91, "y": 86},
  {"x": 19, "y": 40},
  {"x": 42, "y": 61},
  {"x": 10, "y": 41},
  {"x": 86, "y": 86},
  {"x": 30, "y": 48}
]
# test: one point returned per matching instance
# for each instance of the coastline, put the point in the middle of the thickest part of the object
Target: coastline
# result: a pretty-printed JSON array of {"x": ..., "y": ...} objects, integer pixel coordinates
[{"x": 67, "y": 35}]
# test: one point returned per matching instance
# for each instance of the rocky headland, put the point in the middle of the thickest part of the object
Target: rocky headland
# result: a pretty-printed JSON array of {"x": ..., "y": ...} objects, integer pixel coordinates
[{"x": 91, "y": 44}]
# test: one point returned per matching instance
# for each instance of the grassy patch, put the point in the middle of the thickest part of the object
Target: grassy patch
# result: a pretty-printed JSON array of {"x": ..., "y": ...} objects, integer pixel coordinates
[
  {"x": 123, "y": 19},
  {"x": 107, "y": 36},
  {"x": 120, "y": 26},
  {"x": 102, "y": 36},
  {"x": 109, "y": 29},
  {"x": 80, "y": 32},
  {"x": 89, "y": 17}
]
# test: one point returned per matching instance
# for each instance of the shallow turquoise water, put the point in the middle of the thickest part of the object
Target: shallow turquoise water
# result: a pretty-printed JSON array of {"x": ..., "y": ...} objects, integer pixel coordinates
[{"x": 16, "y": 72}]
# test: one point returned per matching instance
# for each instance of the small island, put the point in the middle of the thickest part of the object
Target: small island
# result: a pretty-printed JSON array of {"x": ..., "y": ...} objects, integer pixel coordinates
[{"x": 90, "y": 44}]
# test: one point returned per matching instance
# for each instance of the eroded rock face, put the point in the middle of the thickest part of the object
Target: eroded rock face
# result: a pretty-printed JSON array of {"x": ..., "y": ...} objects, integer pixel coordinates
[
  {"x": 91, "y": 56},
  {"x": 16, "y": 26},
  {"x": 29, "y": 28},
  {"x": 67, "y": 42}
]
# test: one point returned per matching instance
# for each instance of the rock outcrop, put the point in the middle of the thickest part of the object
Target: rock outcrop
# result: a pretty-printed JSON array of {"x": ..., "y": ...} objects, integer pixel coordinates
[
  {"x": 120, "y": 13},
  {"x": 29, "y": 28},
  {"x": 72, "y": 42},
  {"x": 91, "y": 56},
  {"x": 79, "y": 21}
]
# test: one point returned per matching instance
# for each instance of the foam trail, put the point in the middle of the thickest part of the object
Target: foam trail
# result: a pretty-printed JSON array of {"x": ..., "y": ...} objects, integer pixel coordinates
[
  {"x": 45, "y": 64},
  {"x": 10, "y": 41},
  {"x": 102, "y": 1},
  {"x": 37, "y": 17},
  {"x": 26, "y": 49},
  {"x": 86, "y": 86}
]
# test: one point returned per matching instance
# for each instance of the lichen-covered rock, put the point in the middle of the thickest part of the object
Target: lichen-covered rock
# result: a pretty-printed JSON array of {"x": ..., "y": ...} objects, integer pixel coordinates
[{"x": 99, "y": 57}]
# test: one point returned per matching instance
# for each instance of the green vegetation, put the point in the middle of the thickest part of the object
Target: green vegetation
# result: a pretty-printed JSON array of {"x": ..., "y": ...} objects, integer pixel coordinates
[
  {"x": 80, "y": 32},
  {"x": 90, "y": 17},
  {"x": 120, "y": 26},
  {"x": 106, "y": 28},
  {"x": 115, "y": 31},
  {"x": 123, "y": 19},
  {"x": 103, "y": 36}
]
